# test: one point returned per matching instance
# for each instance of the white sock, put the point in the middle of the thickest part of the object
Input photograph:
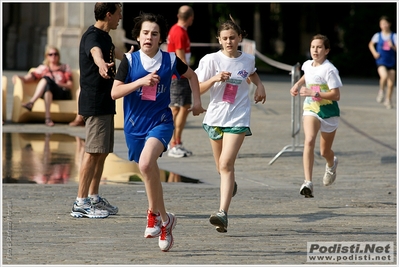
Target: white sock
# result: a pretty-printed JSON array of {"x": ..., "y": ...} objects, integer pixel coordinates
[
  {"x": 80, "y": 200},
  {"x": 94, "y": 198},
  {"x": 332, "y": 167},
  {"x": 165, "y": 223}
]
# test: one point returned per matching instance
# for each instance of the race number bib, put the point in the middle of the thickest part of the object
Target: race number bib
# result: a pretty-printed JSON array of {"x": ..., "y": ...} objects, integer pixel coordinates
[
  {"x": 230, "y": 90},
  {"x": 149, "y": 92},
  {"x": 385, "y": 46},
  {"x": 315, "y": 88}
]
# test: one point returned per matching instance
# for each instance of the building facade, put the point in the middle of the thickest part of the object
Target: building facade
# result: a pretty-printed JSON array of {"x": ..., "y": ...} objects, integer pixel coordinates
[{"x": 29, "y": 27}]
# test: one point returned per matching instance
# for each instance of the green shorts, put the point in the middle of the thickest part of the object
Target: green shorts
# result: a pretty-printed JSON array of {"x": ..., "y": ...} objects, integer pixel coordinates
[{"x": 216, "y": 132}]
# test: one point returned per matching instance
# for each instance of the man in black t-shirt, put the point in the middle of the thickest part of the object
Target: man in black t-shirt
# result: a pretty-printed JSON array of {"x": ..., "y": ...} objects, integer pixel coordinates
[{"x": 97, "y": 71}]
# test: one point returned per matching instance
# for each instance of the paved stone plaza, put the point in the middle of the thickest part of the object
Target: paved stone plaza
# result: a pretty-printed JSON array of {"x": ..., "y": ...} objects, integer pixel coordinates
[{"x": 269, "y": 222}]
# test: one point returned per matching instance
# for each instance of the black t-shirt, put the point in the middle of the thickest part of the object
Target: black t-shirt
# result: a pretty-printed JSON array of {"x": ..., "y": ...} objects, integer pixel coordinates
[
  {"x": 123, "y": 68},
  {"x": 95, "y": 94}
]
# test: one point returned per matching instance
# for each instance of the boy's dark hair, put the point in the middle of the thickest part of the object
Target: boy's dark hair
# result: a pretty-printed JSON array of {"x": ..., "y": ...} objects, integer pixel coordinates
[
  {"x": 324, "y": 38},
  {"x": 101, "y": 9},
  {"x": 158, "y": 19}
]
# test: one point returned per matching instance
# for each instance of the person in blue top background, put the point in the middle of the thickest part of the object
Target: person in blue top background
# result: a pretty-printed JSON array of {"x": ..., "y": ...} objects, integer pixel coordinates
[
  {"x": 383, "y": 48},
  {"x": 143, "y": 79}
]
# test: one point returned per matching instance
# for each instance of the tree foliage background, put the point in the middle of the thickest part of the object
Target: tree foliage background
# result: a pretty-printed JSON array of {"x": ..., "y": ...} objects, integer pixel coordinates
[{"x": 285, "y": 28}]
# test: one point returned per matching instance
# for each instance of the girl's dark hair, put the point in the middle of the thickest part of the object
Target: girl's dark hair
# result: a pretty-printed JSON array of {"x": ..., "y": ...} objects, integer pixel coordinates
[
  {"x": 158, "y": 19},
  {"x": 231, "y": 25},
  {"x": 324, "y": 38},
  {"x": 385, "y": 18},
  {"x": 101, "y": 9}
]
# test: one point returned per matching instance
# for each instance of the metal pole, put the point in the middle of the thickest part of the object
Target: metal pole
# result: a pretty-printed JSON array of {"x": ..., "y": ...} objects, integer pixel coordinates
[{"x": 295, "y": 116}]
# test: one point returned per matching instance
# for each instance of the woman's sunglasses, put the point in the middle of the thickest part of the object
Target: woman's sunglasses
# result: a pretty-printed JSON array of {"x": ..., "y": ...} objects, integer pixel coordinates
[{"x": 52, "y": 54}]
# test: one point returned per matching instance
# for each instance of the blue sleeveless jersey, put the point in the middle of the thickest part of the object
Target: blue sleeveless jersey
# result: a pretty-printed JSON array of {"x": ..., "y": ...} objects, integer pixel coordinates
[
  {"x": 140, "y": 116},
  {"x": 387, "y": 57}
]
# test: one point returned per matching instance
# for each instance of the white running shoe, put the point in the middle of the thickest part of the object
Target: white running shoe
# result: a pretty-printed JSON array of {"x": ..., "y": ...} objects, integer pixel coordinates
[
  {"x": 104, "y": 204},
  {"x": 88, "y": 210},
  {"x": 380, "y": 96},
  {"x": 187, "y": 152},
  {"x": 154, "y": 222},
  {"x": 166, "y": 238},
  {"x": 307, "y": 189},
  {"x": 388, "y": 104},
  {"x": 176, "y": 152},
  {"x": 331, "y": 173}
]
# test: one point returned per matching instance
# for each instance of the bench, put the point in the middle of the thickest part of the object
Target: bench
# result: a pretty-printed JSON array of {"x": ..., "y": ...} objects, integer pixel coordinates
[{"x": 60, "y": 110}]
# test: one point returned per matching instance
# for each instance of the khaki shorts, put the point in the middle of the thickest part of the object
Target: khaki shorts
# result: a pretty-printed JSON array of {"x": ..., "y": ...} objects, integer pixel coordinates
[{"x": 99, "y": 134}]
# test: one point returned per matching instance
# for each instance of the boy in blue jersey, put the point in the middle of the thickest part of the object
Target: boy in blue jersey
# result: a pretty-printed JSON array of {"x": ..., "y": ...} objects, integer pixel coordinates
[{"x": 143, "y": 79}]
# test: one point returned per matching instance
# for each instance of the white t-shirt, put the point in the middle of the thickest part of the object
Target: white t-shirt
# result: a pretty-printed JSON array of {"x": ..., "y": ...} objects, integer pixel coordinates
[
  {"x": 326, "y": 74},
  {"x": 322, "y": 78},
  {"x": 384, "y": 37},
  {"x": 227, "y": 110}
]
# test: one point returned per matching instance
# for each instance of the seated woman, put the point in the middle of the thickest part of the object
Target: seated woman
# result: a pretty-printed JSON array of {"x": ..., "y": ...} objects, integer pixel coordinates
[{"x": 55, "y": 82}]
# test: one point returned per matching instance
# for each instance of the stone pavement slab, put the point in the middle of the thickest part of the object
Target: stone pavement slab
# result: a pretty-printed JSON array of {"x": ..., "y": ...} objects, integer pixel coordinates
[
  {"x": 269, "y": 222},
  {"x": 266, "y": 226}
]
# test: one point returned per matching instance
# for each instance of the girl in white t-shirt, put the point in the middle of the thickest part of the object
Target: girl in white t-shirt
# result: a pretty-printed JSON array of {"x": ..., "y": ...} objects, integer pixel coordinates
[
  {"x": 227, "y": 74},
  {"x": 320, "y": 85}
]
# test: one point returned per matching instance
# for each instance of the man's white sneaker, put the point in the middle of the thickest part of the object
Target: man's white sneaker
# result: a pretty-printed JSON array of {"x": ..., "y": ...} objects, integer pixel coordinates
[
  {"x": 104, "y": 204},
  {"x": 88, "y": 210},
  {"x": 331, "y": 173},
  {"x": 166, "y": 238},
  {"x": 307, "y": 189},
  {"x": 176, "y": 152},
  {"x": 187, "y": 152}
]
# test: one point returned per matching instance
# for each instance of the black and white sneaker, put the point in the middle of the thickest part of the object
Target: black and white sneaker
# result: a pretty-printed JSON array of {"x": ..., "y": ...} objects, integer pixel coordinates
[
  {"x": 235, "y": 189},
  {"x": 307, "y": 189},
  {"x": 88, "y": 210},
  {"x": 103, "y": 204},
  {"x": 219, "y": 219}
]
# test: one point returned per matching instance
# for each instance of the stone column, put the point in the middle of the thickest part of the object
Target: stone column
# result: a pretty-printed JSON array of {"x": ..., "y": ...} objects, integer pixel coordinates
[
  {"x": 24, "y": 40},
  {"x": 68, "y": 21}
]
